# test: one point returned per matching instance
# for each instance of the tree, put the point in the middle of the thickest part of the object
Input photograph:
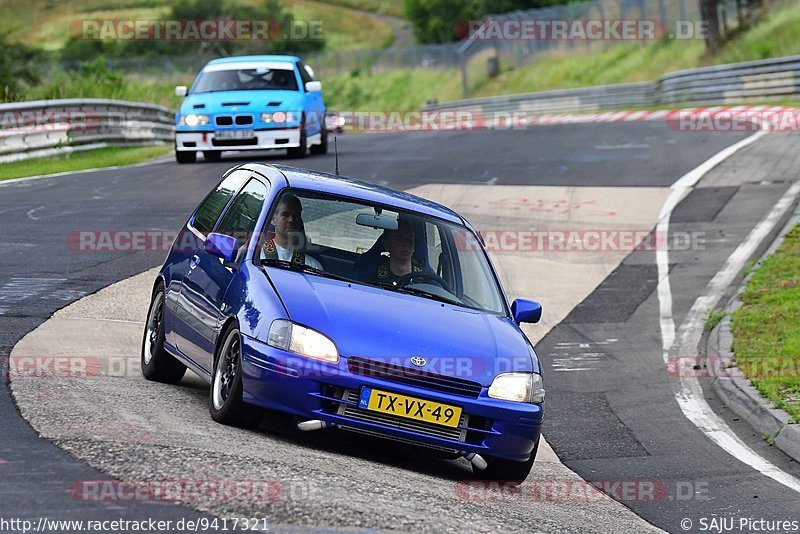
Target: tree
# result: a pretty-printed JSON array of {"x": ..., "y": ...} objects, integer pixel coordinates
[
  {"x": 443, "y": 21},
  {"x": 17, "y": 69},
  {"x": 710, "y": 14}
]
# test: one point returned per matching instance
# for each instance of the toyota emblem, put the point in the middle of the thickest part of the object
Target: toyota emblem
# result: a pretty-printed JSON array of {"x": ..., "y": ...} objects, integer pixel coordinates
[{"x": 419, "y": 361}]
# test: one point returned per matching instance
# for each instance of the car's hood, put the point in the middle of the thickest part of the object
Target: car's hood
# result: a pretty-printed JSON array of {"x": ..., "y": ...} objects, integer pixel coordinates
[
  {"x": 243, "y": 102},
  {"x": 377, "y": 323}
]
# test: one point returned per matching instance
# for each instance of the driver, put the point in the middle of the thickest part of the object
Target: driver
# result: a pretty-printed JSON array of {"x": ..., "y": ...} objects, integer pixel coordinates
[
  {"x": 400, "y": 262},
  {"x": 289, "y": 240}
]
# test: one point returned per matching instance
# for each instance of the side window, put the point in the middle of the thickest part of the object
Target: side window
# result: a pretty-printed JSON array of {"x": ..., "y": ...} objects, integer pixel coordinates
[
  {"x": 240, "y": 218},
  {"x": 304, "y": 74},
  {"x": 211, "y": 208}
]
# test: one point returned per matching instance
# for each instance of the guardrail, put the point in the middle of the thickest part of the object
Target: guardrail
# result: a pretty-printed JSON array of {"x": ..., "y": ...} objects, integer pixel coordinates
[
  {"x": 582, "y": 99},
  {"x": 50, "y": 127},
  {"x": 736, "y": 83}
]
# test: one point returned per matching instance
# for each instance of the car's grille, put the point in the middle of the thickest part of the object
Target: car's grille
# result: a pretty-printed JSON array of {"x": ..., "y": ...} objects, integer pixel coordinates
[
  {"x": 413, "y": 377},
  {"x": 423, "y": 427},
  {"x": 229, "y": 120},
  {"x": 234, "y": 142}
]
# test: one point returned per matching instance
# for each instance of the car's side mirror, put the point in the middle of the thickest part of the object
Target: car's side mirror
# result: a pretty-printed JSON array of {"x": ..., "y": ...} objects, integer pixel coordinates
[
  {"x": 222, "y": 246},
  {"x": 181, "y": 90},
  {"x": 313, "y": 87},
  {"x": 526, "y": 311}
]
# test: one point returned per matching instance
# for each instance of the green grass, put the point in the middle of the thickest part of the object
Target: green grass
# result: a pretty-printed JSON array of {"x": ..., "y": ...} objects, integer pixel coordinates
[
  {"x": 102, "y": 157},
  {"x": 777, "y": 34},
  {"x": 394, "y": 8},
  {"x": 45, "y": 24},
  {"x": 399, "y": 90},
  {"x": 342, "y": 27},
  {"x": 766, "y": 329},
  {"x": 713, "y": 318}
]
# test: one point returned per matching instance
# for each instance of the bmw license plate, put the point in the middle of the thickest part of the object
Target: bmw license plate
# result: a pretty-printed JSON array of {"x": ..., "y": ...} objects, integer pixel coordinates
[
  {"x": 235, "y": 134},
  {"x": 409, "y": 407}
]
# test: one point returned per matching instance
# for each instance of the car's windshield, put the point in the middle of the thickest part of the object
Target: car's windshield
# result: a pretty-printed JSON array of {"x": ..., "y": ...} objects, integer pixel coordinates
[
  {"x": 405, "y": 252},
  {"x": 246, "y": 79}
]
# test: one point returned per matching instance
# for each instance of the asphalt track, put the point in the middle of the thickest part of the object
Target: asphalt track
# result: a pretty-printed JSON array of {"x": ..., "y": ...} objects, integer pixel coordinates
[{"x": 615, "y": 422}]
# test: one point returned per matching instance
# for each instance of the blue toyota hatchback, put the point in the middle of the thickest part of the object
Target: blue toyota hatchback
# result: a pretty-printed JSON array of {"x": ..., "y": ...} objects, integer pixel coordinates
[
  {"x": 350, "y": 306},
  {"x": 251, "y": 103}
]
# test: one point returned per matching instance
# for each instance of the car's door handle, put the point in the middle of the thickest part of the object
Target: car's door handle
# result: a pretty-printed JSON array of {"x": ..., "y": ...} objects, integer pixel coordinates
[{"x": 194, "y": 262}]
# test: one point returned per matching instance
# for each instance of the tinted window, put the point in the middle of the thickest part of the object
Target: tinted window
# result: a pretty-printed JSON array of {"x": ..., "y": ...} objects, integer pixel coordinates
[
  {"x": 211, "y": 208},
  {"x": 247, "y": 80},
  {"x": 240, "y": 219}
]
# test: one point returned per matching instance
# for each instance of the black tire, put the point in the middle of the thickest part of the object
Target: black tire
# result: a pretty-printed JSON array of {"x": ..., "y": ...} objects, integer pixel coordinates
[
  {"x": 185, "y": 157},
  {"x": 302, "y": 150},
  {"x": 225, "y": 396},
  {"x": 322, "y": 148},
  {"x": 507, "y": 470},
  {"x": 212, "y": 155},
  {"x": 157, "y": 364}
]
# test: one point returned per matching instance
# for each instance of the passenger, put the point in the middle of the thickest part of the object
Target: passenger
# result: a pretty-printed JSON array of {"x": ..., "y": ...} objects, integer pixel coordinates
[
  {"x": 400, "y": 262},
  {"x": 289, "y": 240}
]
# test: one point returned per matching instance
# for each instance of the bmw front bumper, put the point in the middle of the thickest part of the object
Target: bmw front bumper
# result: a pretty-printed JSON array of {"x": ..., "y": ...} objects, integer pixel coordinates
[{"x": 262, "y": 140}]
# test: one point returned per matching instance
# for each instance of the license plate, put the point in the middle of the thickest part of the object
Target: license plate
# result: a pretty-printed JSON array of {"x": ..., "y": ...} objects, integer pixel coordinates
[
  {"x": 235, "y": 134},
  {"x": 409, "y": 407}
]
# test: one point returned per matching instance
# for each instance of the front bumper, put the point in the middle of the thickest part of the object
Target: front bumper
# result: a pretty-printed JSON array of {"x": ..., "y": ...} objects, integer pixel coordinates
[
  {"x": 263, "y": 140},
  {"x": 308, "y": 389}
]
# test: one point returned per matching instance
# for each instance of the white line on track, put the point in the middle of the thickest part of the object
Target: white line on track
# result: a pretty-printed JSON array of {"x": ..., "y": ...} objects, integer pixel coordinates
[
  {"x": 13, "y": 181},
  {"x": 690, "y": 396}
]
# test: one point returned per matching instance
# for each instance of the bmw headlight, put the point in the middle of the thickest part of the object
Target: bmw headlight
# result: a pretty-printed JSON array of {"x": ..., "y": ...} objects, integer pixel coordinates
[
  {"x": 292, "y": 337},
  {"x": 193, "y": 120},
  {"x": 280, "y": 117},
  {"x": 519, "y": 387}
]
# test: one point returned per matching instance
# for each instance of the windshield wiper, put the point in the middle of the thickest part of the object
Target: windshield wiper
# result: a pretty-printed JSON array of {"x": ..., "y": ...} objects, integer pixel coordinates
[
  {"x": 303, "y": 268},
  {"x": 423, "y": 293}
]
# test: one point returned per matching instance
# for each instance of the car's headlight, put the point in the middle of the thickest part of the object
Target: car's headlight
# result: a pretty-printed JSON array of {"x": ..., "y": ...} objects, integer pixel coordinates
[
  {"x": 280, "y": 117},
  {"x": 291, "y": 337},
  {"x": 193, "y": 120},
  {"x": 519, "y": 387}
]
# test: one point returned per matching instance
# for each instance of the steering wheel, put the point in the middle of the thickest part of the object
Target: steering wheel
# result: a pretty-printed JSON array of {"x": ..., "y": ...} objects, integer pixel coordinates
[{"x": 425, "y": 275}]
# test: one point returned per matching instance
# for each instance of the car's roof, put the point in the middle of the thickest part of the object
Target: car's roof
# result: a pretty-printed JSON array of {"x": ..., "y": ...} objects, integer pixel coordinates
[
  {"x": 242, "y": 59},
  {"x": 324, "y": 182}
]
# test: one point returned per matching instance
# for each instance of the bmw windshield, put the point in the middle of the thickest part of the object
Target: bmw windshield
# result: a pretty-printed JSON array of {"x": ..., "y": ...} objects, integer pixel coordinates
[
  {"x": 380, "y": 246},
  {"x": 248, "y": 79}
]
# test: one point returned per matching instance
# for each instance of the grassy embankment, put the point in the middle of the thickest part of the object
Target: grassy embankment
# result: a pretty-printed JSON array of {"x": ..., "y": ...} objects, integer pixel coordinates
[{"x": 766, "y": 329}]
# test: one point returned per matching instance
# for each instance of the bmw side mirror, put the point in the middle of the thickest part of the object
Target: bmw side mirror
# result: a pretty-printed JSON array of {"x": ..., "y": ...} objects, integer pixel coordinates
[
  {"x": 181, "y": 90},
  {"x": 313, "y": 87},
  {"x": 222, "y": 246},
  {"x": 526, "y": 311}
]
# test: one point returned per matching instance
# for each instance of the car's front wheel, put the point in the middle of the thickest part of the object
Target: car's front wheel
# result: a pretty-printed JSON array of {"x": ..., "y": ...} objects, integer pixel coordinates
[
  {"x": 508, "y": 470},
  {"x": 322, "y": 147},
  {"x": 157, "y": 364},
  {"x": 225, "y": 397},
  {"x": 185, "y": 157},
  {"x": 302, "y": 150}
]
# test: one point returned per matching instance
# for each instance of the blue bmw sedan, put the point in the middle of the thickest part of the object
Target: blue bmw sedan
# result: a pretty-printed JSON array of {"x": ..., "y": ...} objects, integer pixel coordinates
[{"x": 351, "y": 307}]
